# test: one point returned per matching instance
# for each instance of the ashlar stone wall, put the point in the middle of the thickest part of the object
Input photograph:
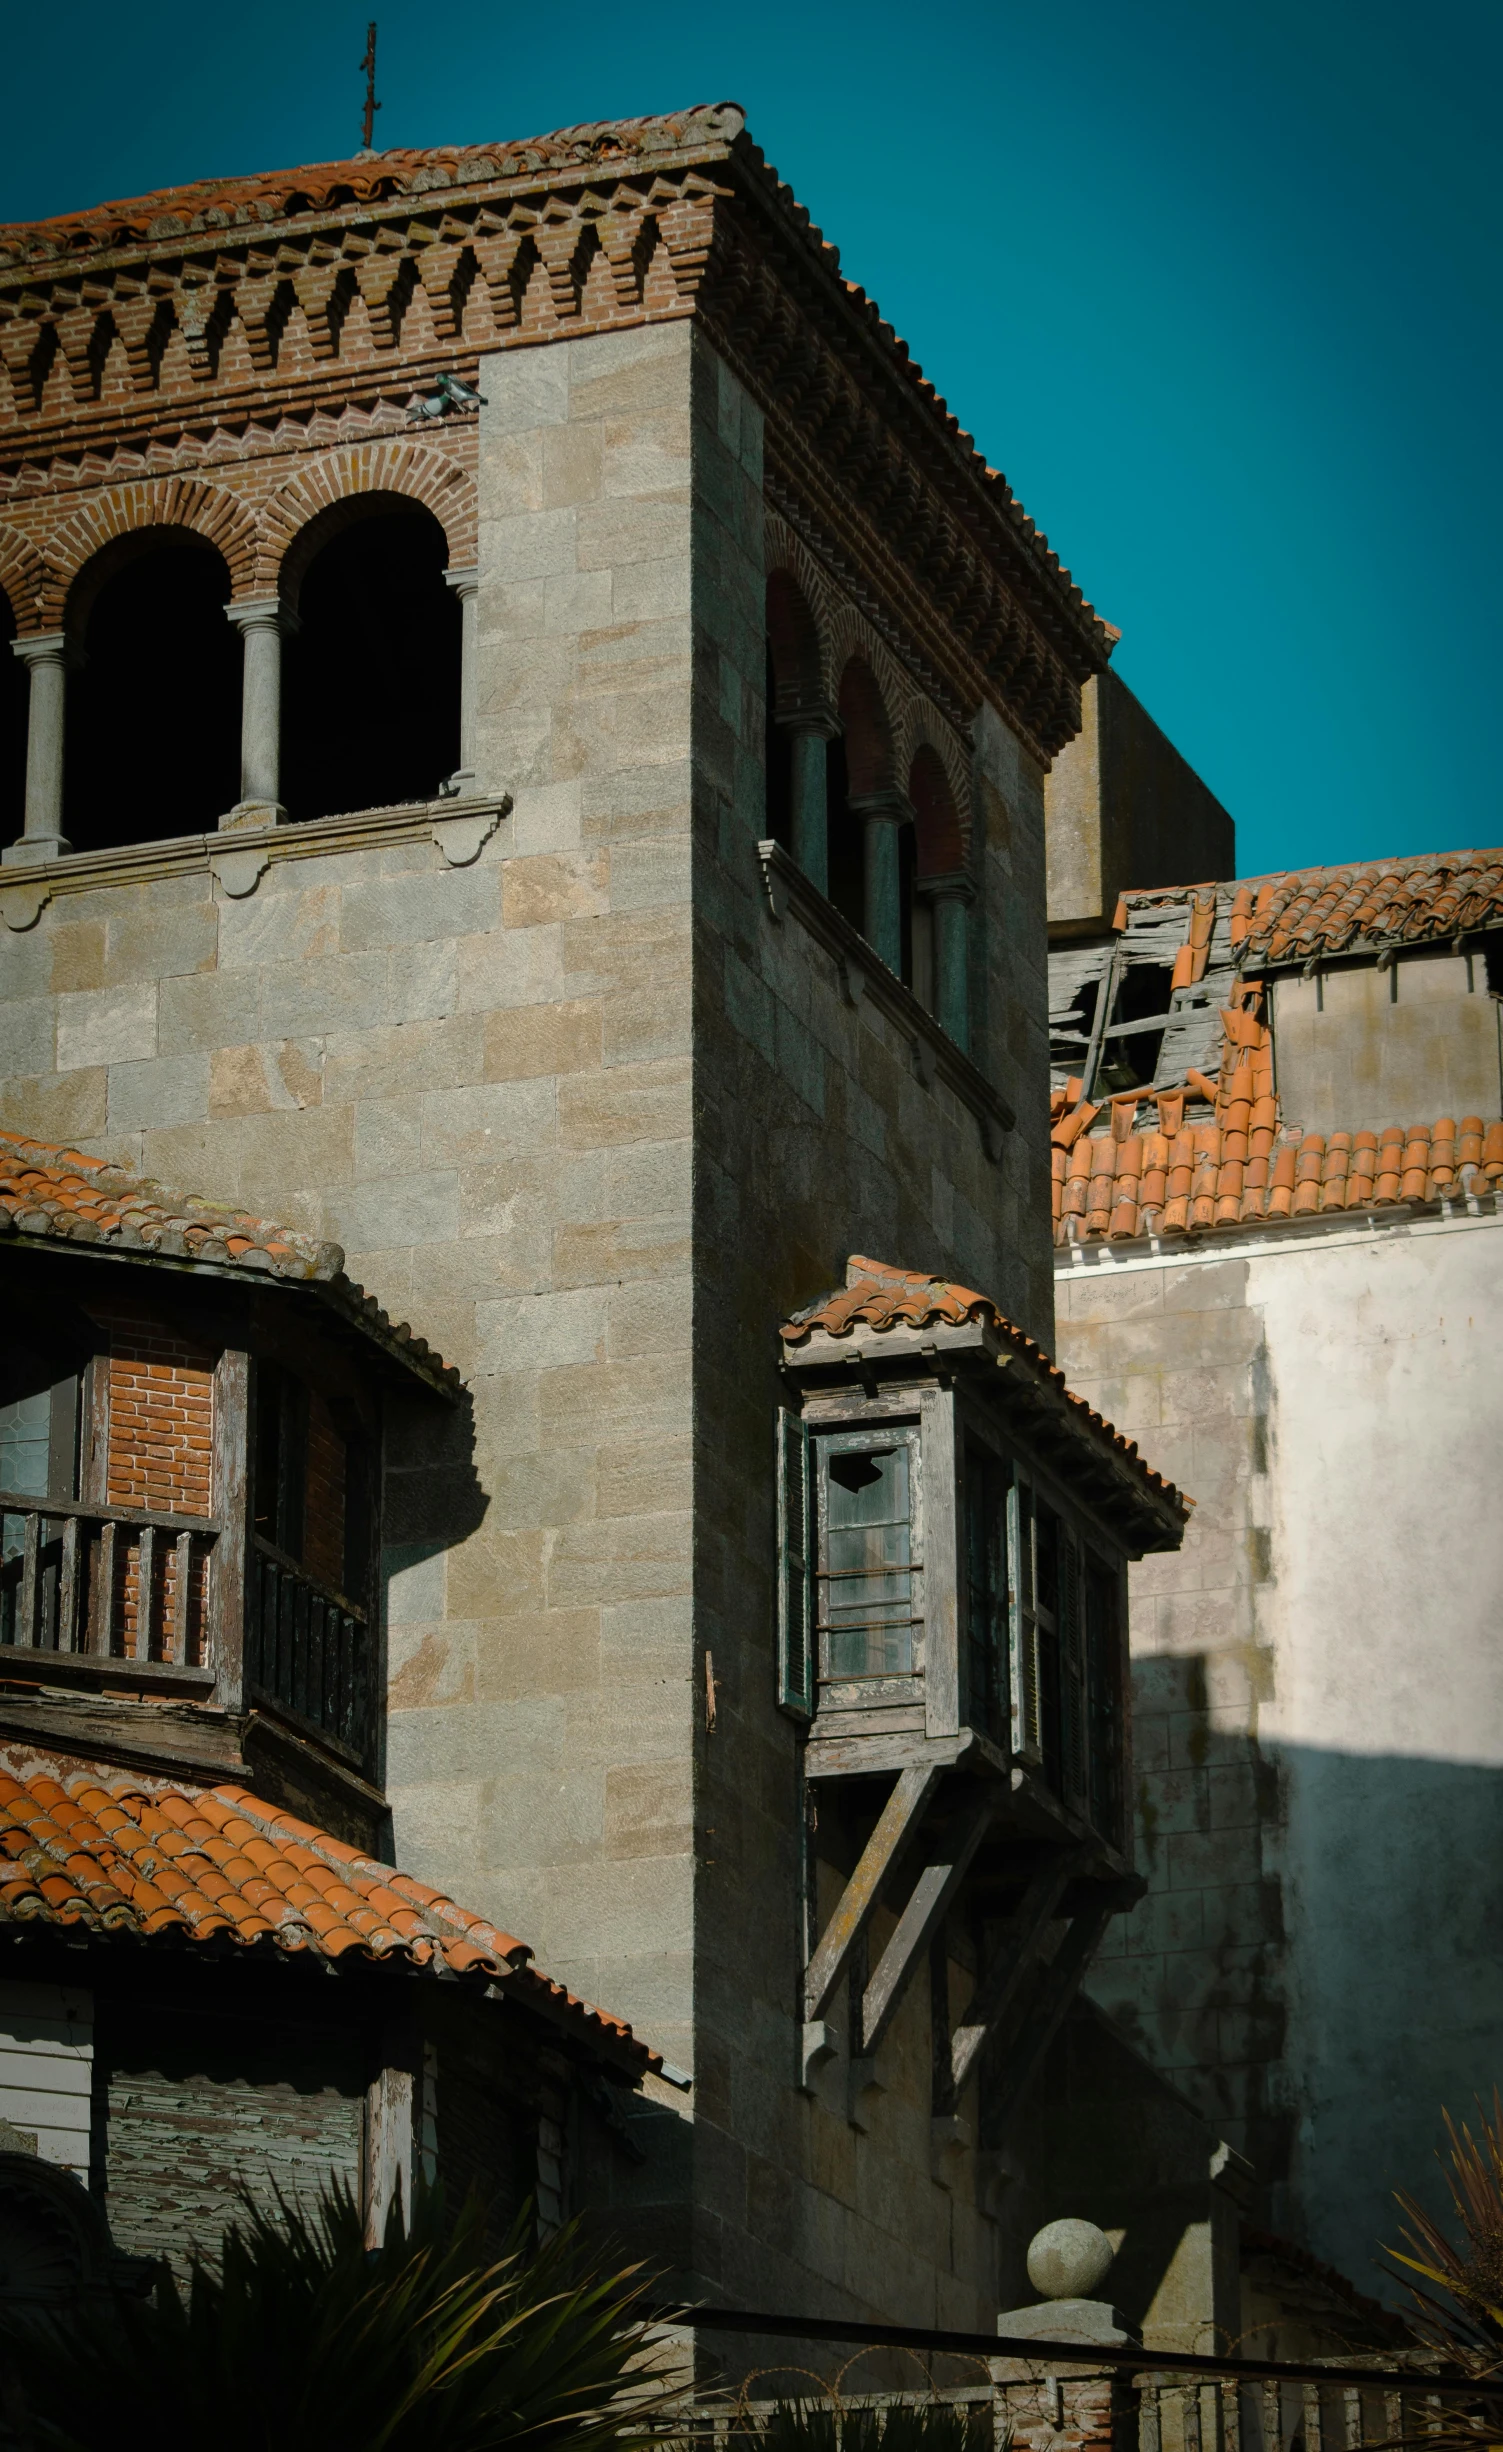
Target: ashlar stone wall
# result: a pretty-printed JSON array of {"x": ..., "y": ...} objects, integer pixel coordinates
[{"x": 587, "y": 1115}]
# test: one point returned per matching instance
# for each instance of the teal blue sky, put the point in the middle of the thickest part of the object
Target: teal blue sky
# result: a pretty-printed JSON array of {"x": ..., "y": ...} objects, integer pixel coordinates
[{"x": 1217, "y": 285}]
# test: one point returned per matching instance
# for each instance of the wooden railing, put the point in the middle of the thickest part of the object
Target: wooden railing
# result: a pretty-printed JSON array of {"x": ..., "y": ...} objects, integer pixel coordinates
[
  {"x": 114, "y": 1583},
  {"x": 307, "y": 1648}
]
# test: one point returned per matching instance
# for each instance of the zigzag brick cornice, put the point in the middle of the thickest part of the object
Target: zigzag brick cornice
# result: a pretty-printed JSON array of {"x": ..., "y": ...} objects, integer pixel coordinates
[{"x": 233, "y": 308}]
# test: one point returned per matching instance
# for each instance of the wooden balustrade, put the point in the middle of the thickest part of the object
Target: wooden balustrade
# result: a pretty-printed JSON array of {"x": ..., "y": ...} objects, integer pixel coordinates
[
  {"x": 158, "y": 1598},
  {"x": 110, "y": 1583},
  {"x": 307, "y": 1647}
]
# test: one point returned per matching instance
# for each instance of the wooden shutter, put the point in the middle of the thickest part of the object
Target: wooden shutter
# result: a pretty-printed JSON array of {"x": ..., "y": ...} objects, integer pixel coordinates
[
  {"x": 795, "y": 1648},
  {"x": 1074, "y": 1769},
  {"x": 1023, "y": 1638}
]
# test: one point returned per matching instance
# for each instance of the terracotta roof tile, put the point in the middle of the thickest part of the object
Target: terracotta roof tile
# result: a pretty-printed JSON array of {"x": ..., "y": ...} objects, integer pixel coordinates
[
  {"x": 218, "y": 1865},
  {"x": 877, "y": 1295},
  {"x": 57, "y": 1194},
  {"x": 1298, "y": 913},
  {"x": 1226, "y": 1175},
  {"x": 250, "y": 201}
]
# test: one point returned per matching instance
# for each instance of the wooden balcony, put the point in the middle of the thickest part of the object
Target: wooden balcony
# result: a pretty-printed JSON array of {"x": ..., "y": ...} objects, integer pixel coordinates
[
  {"x": 307, "y": 1649},
  {"x": 123, "y": 1599}
]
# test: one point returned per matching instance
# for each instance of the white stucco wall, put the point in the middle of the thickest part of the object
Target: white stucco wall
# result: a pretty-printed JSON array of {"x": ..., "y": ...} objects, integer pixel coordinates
[{"x": 1319, "y": 1695}]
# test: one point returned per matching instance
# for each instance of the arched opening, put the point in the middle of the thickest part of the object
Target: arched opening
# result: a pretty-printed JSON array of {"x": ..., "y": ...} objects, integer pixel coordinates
[
  {"x": 14, "y": 698},
  {"x": 796, "y": 726},
  {"x": 866, "y": 834},
  {"x": 371, "y": 688},
  {"x": 153, "y": 722},
  {"x": 938, "y": 894},
  {"x": 938, "y": 851}
]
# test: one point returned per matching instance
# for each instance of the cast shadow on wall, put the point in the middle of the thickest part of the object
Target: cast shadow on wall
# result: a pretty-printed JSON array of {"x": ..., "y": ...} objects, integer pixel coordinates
[{"x": 1318, "y": 1962}]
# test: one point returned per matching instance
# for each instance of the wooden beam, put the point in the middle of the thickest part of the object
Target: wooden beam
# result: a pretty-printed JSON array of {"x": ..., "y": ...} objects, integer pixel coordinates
[
  {"x": 1002, "y": 1980},
  {"x": 232, "y": 1502},
  {"x": 1061, "y": 1982},
  {"x": 916, "y": 1926},
  {"x": 898, "y": 1821}
]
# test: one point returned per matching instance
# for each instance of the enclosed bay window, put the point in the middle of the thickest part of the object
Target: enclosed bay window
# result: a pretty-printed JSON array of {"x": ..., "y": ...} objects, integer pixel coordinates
[{"x": 954, "y": 1533}]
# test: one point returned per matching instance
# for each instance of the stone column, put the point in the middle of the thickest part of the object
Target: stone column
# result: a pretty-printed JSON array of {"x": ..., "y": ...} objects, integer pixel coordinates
[
  {"x": 42, "y": 837},
  {"x": 950, "y": 898},
  {"x": 466, "y": 586},
  {"x": 881, "y": 814},
  {"x": 811, "y": 800},
  {"x": 263, "y": 623}
]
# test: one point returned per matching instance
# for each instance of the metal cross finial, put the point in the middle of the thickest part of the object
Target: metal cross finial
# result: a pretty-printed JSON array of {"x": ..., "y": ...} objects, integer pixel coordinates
[{"x": 372, "y": 106}]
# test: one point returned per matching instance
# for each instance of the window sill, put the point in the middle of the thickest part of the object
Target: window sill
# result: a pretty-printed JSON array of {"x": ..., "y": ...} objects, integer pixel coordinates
[
  {"x": 863, "y": 974},
  {"x": 238, "y": 857}
]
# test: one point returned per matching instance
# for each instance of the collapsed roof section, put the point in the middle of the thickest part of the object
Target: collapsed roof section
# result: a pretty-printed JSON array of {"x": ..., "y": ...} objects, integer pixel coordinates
[{"x": 1166, "y": 1112}]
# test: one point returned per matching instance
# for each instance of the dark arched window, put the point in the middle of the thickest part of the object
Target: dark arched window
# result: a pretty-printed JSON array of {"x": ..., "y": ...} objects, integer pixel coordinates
[
  {"x": 798, "y": 726},
  {"x": 937, "y": 895},
  {"x": 371, "y": 693},
  {"x": 866, "y": 849},
  {"x": 153, "y": 725},
  {"x": 14, "y": 692}
]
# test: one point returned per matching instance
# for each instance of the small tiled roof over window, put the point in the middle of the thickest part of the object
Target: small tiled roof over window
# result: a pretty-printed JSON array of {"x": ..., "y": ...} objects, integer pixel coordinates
[
  {"x": 218, "y": 1868},
  {"x": 51, "y": 1193},
  {"x": 878, "y": 1296}
]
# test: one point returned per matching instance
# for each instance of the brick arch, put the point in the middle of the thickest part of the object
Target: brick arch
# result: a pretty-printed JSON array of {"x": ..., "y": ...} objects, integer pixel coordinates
[
  {"x": 924, "y": 739},
  {"x": 867, "y": 726},
  {"x": 116, "y": 511},
  {"x": 23, "y": 581},
  {"x": 940, "y": 842},
  {"x": 794, "y": 644},
  {"x": 338, "y": 484}
]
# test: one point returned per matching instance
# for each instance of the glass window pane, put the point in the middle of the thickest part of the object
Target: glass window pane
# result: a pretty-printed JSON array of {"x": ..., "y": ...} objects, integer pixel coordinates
[
  {"x": 25, "y": 1429},
  {"x": 866, "y": 1577}
]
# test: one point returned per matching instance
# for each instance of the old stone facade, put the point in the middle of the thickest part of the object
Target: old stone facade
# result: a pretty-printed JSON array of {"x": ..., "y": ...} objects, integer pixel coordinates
[
  {"x": 1289, "y": 1290},
  {"x": 679, "y": 933}
]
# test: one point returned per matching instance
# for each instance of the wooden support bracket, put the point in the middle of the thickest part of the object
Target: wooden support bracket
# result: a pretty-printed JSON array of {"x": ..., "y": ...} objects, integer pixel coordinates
[
  {"x": 1057, "y": 1989},
  {"x": 1002, "y": 1981},
  {"x": 932, "y": 1892},
  {"x": 896, "y": 1826}
]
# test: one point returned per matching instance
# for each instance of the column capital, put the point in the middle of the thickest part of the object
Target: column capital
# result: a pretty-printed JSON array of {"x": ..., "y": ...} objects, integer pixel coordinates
[
  {"x": 465, "y": 581},
  {"x": 49, "y": 647},
  {"x": 263, "y": 613},
  {"x": 888, "y": 806},
  {"x": 810, "y": 717},
  {"x": 950, "y": 885}
]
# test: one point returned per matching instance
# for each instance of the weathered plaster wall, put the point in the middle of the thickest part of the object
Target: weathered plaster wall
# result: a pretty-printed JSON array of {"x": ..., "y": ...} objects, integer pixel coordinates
[
  {"x": 1318, "y": 1698},
  {"x": 1358, "y": 1048}
]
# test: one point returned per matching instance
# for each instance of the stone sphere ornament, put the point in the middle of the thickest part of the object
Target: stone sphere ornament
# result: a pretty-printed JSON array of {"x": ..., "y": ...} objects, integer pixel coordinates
[{"x": 1069, "y": 2259}]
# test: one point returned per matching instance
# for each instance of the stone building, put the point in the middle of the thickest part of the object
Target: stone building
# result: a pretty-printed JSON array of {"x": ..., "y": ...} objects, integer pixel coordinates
[
  {"x": 593, "y": 872},
  {"x": 215, "y": 1978},
  {"x": 1289, "y": 1289}
]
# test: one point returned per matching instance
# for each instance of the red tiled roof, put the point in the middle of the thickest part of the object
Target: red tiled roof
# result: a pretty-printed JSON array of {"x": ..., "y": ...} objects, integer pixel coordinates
[
  {"x": 877, "y": 1295},
  {"x": 1297, "y": 913},
  {"x": 220, "y": 1866},
  {"x": 1238, "y": 1169},
  {"x": 1375, "y": 902},
  {"x": 257, "y": 197},
  {"x": 64, "y": 1195}
]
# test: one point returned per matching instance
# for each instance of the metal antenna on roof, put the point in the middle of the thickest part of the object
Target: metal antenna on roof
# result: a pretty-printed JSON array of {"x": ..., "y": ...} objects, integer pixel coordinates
[{"x": 372, "y": 106}]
